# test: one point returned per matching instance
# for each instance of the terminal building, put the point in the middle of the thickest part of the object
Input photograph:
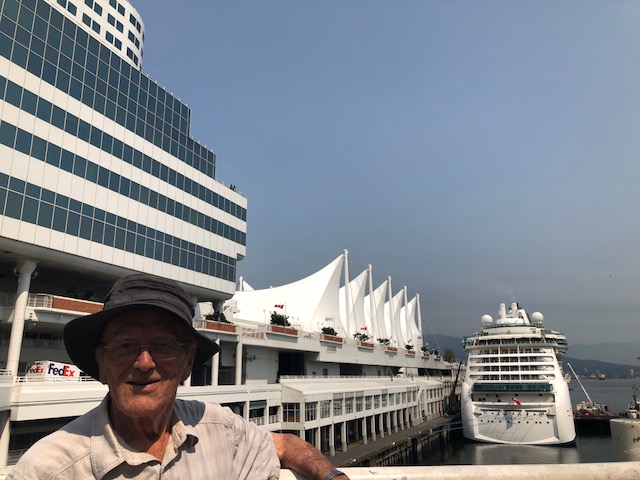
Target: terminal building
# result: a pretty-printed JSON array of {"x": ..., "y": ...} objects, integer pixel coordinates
[{"x": 99, "y": 178}]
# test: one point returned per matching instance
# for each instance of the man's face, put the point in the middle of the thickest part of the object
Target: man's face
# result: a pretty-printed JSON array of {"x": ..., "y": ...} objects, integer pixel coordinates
[{"x": 144, "y": 386}]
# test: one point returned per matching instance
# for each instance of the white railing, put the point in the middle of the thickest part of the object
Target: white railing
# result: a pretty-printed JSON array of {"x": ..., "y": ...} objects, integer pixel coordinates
[
  {"x": 567, "y": 471},
  {"x": 53, "y": 379}
]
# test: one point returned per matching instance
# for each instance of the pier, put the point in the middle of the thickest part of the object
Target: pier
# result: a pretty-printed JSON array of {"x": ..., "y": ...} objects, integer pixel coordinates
[{"x": 398, "y": 448}]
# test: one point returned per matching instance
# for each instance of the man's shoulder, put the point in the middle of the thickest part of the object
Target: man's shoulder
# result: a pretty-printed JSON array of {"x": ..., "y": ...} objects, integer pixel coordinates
[
  {"x": 194, "y": 412},
  {"x": 55, "y": 453}
]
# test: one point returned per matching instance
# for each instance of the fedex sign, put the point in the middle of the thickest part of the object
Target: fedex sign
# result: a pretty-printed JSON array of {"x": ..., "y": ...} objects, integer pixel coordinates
[{"x": 46, "y": 369}]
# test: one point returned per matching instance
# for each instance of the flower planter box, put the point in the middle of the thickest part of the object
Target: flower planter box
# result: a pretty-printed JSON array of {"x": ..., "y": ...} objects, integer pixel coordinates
[
  {"x": 366, "y": 345},
  {"x": 391, "y": 349},
  {"x": 280, "y": 330},
  {"x": 425, "y": 355},
  {"x": 331, "y": 338},
  {"x": 221, "y": 326},
  {"x": 438, "y": 357},
  {"x": 410, "y": 352}
]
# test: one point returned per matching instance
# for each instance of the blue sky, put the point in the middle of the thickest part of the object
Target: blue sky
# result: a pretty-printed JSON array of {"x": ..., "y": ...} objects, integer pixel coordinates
[{"x": 476, "y": 151}]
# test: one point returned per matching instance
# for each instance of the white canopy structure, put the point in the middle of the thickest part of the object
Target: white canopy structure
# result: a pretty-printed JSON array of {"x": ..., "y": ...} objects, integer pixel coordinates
[{"x": 328, "y": 298}]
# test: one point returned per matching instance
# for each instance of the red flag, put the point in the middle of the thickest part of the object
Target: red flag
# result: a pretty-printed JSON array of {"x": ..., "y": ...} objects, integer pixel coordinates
[
  {"x": 516, "y": 401},
  {"x": 279, "y": 306}
]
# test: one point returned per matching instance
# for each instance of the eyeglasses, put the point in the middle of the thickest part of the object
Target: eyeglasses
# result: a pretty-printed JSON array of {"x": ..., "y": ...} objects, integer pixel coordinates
[{"x": 124, "y": 351}]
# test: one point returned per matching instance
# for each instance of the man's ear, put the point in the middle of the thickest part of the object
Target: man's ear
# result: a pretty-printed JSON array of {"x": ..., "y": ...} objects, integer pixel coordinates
[
  {"x": 190, "y": 358},
  {"x": 99, "y": 354}
]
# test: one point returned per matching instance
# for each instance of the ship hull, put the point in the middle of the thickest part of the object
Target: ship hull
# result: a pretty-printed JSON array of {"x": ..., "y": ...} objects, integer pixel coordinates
[{"x": 531, "y": 423}]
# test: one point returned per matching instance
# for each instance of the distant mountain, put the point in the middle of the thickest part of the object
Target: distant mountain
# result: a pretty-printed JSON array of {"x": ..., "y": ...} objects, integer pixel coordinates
[
  {"x": 587, "y": 367},
  {"x": 612, "y": 359},
  {"x": 622, "y": 353}
]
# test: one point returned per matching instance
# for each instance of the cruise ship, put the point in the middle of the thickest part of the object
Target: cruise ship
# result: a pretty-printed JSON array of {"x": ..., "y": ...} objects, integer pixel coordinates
[
  {"x": 514, "y": 389},
  {"x": 99, "y": 178}
]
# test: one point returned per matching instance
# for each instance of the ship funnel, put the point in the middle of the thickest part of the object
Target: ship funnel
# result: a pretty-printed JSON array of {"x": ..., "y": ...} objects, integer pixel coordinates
[{"x": 502, "y": 311}]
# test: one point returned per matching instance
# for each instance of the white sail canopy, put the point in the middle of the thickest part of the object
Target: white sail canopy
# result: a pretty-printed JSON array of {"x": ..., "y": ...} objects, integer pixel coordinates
[
  {"x": 356, "y": 312},
  {"x": 322, "y": 300},
  {"x": 311, "y": 302}
]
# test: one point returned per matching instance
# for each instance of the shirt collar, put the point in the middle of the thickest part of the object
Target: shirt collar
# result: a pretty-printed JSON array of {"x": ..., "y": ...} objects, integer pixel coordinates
[{"x": 108, "y": 449}]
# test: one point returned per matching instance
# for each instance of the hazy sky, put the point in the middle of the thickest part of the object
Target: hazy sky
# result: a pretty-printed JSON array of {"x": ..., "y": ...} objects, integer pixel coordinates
[{"x": 476, "y": 151}]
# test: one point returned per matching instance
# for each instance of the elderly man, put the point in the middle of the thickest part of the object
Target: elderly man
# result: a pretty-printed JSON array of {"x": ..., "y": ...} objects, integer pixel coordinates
[{"x": 142, "y": 345}]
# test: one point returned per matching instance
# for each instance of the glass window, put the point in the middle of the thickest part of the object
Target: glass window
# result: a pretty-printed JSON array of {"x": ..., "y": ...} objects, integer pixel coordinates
[
  {"x": 14, "y": 94},
  {"x": 53, "y": 155},
  {"x": 13, "y": 206},
  {"x": 73, "y": 224},
  {"x": 119, "y": 239},
  {"x": 23, "y": 142},
  {"x": 85, "y": 227},
  {"x": 58, "y": 117},
  {"x": 44, "y": 110},
  {"x": 39, "y": 148},
  {"x": 67, "y": 161},
  {"x": 45, "y": 214},
  {"x": 59, "y": 219},
  {"x": 7, "y": 134},
  {"x": 30, "y": 210}
]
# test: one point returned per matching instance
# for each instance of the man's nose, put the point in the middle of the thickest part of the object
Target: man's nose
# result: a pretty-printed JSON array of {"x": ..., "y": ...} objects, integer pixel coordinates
[{"x": 144, "y": 361}]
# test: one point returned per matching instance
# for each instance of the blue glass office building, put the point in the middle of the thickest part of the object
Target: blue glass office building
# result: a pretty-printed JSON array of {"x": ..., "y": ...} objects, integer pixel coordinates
[{"x": 98, "y": 173}]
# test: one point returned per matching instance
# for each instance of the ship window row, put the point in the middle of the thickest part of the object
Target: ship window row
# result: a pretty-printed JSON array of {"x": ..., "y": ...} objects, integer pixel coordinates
[
  {"x": 57, "y": 40},
  {"x": 38, "y": 206},
  {"x": 50, "y": 153},
  {"x": 46, "y": 111}
]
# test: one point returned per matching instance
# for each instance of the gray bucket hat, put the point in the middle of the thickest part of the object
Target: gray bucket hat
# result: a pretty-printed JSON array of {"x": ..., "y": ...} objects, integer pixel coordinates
[{"x": 82, "y": 335}]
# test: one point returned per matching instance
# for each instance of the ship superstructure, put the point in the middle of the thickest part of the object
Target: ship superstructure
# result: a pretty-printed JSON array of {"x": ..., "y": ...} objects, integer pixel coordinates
[{"x": 514, "y": 389}]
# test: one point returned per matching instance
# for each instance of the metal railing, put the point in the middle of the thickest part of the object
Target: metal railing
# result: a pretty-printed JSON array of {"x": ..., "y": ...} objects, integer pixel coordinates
[{"x": 567, "y": 471}]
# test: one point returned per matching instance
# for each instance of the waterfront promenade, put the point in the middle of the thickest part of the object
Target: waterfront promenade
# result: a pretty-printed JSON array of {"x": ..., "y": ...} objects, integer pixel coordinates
[{"x": 359, "y": 453}]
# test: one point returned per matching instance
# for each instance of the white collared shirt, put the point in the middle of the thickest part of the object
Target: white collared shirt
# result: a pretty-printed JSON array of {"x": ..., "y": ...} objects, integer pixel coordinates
[{"x": 208, "y": 441}]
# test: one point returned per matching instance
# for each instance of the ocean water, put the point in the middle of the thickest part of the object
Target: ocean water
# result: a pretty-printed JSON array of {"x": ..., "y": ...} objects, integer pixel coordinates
[{"x": 616, "y": 393}]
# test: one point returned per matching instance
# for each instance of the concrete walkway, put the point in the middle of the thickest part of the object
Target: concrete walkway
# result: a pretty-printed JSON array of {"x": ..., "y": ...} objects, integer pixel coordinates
[{"x": 357, "y": 451}]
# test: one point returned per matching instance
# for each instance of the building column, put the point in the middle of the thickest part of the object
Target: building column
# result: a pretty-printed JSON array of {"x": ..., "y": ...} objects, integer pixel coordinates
[
  {"x": 215, "y": 366},
  {"x": 25, "y": 268},
  {"x": 364, "y": 430},
  {"x": 373, "y": 428},
  {"x": 381, "y": 424},
  {"x": 395, "y": 421},
  {"x": 388, "y": 416},
  {"x": 332, "y": 440},
  {"x": 239, "y": 362},
  {"x": 318, "y": 438},
  {"x": 343, "y": 425},
  {"x": 401, "y": 414}
]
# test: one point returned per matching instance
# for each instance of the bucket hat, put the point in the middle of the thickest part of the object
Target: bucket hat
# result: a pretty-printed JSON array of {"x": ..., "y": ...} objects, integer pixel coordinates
[{"x": 82, "y": 335}]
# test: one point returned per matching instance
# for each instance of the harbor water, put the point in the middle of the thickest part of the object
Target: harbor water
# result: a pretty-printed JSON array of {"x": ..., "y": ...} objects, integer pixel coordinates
[{"x": 616, "y": 393}]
